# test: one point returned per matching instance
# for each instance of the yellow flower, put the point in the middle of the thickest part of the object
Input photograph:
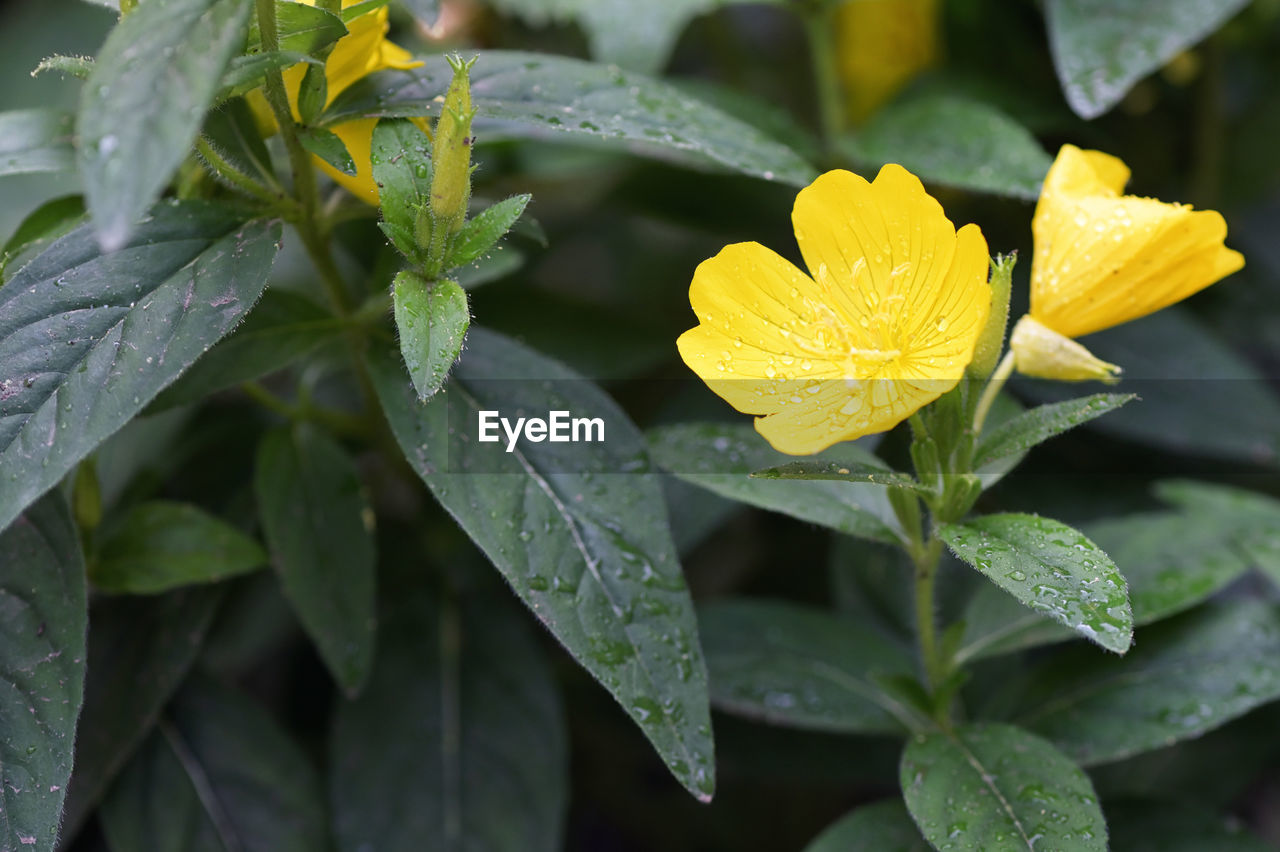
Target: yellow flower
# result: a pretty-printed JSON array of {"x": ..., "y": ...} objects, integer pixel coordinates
[
  {"x": 882, "y": 46},
  {"x": 1102, "y": 259},
  {"x": 885, "y": 323},
  {"x": 362, "y": 51}
]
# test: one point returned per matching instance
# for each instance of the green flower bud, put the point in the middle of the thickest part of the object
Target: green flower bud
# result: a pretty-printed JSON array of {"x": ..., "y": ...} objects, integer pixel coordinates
[{"x": 451, "y": 154}]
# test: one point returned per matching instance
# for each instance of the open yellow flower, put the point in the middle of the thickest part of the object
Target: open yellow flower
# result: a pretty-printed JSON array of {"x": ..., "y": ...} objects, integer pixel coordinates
[
  {"x": 362, "y": 51},
  {"x": 1103, "y": 258},
  {"x": 885, "y": 323},
  {"x": 882, "y": 45}
]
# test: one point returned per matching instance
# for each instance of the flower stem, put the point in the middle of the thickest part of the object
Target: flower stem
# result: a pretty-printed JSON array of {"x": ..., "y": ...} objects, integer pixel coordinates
[
  {"x": 817, "y": 20},
  {"x": 304, "y": 178},
  {"x": 992, "y": 390},
  {"x": 926, "y": 559}
]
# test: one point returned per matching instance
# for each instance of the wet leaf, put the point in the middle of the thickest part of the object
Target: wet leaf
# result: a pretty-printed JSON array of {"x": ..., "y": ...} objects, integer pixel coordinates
[
  {"x": 313, "y": 516},
  {"x": 1185, "y": 676},
  {"x": 1051, "y": 568},
  {"x": 88, "y": 339},
  {"x": 460, "y": 722},
  {"x": 302, "y": 28},
  {"x": 42, "y": 668},
  {"x": 432, "y": 320},
  {"x": 162, "y": 545},
  {"x": 35, "y": 140},
  {"x": 578, "y": 529},
  {"x": 988, "y": 787},
  {"x": 1252, "y": 519},
  {"x": 1102, "y": 47},
  {"x": 883, "y": 827},
  {"x": 1026, "y": 430},
  {"x": 216, "y": 774},
  {"x": 143, "y": 104},
  {"x": 534, "y": 95},
  {"x": 721, "y": 458},
  {"x": 838, "y": 472},
  {"x": 42, "y": 226},
  {"x": 956, "y": 142},
  {"x": 802, "y": 667},
  {"x": 400, "y": 157},
  {"x": 1182, "y": 827},
  {"x": 326, "y": 145},
  {"x": 482, "y": 233}
]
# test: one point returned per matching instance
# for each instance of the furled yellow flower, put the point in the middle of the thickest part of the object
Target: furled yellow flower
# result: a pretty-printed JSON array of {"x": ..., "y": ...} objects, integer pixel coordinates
[
  {"x": 1102, "y": 259},
  {"x": 882, "y": 45},
  {"x": 362, "y": 51},
  {"x": 885, "y": 323}
]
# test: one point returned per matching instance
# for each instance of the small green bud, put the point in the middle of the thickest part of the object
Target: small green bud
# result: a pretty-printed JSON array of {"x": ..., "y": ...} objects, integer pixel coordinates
[{"x": 991, "y": 340}]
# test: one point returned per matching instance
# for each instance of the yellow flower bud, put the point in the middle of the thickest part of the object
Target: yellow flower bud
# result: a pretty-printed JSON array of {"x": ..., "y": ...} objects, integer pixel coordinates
[
  {"x": 1041, "y": 352},
  {"x": 451, "y": 154}
]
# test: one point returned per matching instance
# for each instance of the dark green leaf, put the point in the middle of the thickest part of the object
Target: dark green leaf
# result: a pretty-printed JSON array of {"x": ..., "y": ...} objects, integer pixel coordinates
[
  {"x": 432, "y": 320},
  {"x": 326, "y": 145},
  {"x": 43, "y": 225},
  {"x": 161, "y": 545},
  {"x": 400, "y": 157},
  {"x": 838, "y": 472},
  {"x": 42, "y": 665},
  {"x": 1053, "y": 569},
  {"x": 492, "y": 267},
  {"x": 587, "y": 549},
  {"x": 954, "y": 141},
  {"x": 524, "y": 95},
  {"x": 1176, "y": 827},
  {"x": 483, "y": 232},
  {"x": 1252, "y": 519},
  {"x": 883, "y": 827},
  {"x": 140, "y": 649},
  {"x": 145, "y": 101},
  {"x": 426, "y": 11},
  {"x": 216, "y": 774},
  {"x": 246, "y": 73},
  {"x": 87, "y": 339},
  {"x": 232, "y": 131},
  {"x": 353, "y": 9},
  {"x": 1185, "y": 676},
  {"x": 302, "y": 27},
  {"x": 989, "y": 787},
  {"x": 283, "y": 328},
  {"x": 458, "y": 741},
  {"x": 1037, "y": 425},
  {"x": 313, "y": 514},
  {"x": 1102, "y": 47},
  {"x": 35, "y": 140},
  {"x": 721, "y": 458},
  {"x": 802, "y": 667}
]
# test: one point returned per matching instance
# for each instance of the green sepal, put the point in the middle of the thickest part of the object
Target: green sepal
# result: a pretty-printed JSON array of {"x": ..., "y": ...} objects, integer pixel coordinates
[
  {"x": 991, "y": 341},
  {"x": 326, "y": 145},
  {"x": 482, "y": 233},
  {"x": 312, "y": 95}
]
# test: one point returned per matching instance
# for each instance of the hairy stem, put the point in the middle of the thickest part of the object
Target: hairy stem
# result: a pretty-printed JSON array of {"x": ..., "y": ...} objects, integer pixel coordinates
[
  {"x": 926, "y": 559},
  {"x": 992, "y": 390},
  {"x": 818, "y": 26}
]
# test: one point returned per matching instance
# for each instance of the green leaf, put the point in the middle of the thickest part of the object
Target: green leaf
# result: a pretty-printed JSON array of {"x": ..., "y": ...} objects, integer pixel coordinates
[
  {"x": 217, "y": 774},
  {"x": 303, "y": 28},
  {"x": 283, "y": 328},
  {"x": 69, "y": 66},
  {"x": 1171, "y": 561},
  {"x": 1037, "y": 425},
  {"x": 1183, "y": 826},
  {"x": 313, "y": 513},
  {"x": 721, "y": 458},
  {"x": 1102, "y": 47},
  {"x": 432, "y": 320},
  {"x": 1051, "y": 568},
  {"x": 883, "y": 827},
  {"x": 801, "y": 667},
  {"x": 161, "y": 545},
  {"x": 483, "y": 232},
  {"x": 140, "y": 650},
  {"x": 42, "y": 665},
  {"x": 42, "y": 225},
  {"x": 460, "y": 722},
  {"x": 533, "y": 95},
  {"x": 355, "y": 8},
  {"x": 837, "y": 472},
  {"x": 232, "y": 131},
  {"x": 87, "y": 339},
  {"x": 426, "y": 11},
  {"x": 400, "y": 157},
  {"x": 956, "y": 142},
  {"x": 140, "y": 111},
  {"x": 326, "y": 145},
  {"x": 492, "y": 267},
  {"x": 987, "y": 787},
  {"x": 1251, "y": 519},
  {"x": 246, "y": 73},
  {"x": 35, "y": 140},
  {"x": 1185, "y": 676},
  {"x": 589, "y": 551}
]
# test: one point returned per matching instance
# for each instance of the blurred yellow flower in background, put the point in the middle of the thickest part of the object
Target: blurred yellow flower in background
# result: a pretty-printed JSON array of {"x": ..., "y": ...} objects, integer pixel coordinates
[
  {"x": 885, "y": 323},
  {"x": 361, "y": 52},
  {"x": 1103, "y": 258},
  {"x": 881, "y": 46}
]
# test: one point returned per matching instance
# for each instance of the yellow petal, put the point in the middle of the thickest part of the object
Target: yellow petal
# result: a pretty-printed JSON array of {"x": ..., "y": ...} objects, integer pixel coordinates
[
  {"x": 886, "y": 324},
  {"x": 1102, "y": 259},
  {"x": 882, "y": 45},
  {"x": 1045, "y": 354}
]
